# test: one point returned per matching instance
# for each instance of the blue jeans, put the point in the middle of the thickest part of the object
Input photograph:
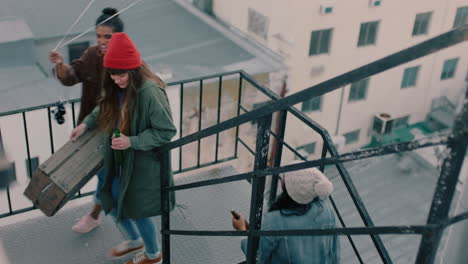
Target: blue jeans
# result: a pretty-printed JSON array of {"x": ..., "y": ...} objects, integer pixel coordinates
[
  {"x": 101, "y": 177},
  {"x": 138, "y": 228}
]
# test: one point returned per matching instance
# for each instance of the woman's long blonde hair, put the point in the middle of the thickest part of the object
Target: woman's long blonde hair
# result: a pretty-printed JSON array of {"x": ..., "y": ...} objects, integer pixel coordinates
[{"x": 111, "y": 115}]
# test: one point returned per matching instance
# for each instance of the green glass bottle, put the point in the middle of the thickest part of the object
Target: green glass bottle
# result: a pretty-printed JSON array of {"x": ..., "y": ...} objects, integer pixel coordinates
[{"x": 118, "y": 154}]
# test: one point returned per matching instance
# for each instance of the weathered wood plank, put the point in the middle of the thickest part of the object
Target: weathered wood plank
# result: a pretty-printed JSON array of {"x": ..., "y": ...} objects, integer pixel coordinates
[
  {"x": 64, "y": 173},
  {"x": 79, "y": 166},
  {"x": 65, "y": 152}
]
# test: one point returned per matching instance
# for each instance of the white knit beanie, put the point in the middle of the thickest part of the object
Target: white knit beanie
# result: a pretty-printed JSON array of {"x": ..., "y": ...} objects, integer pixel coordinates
[{"x": 305, "y": 185}]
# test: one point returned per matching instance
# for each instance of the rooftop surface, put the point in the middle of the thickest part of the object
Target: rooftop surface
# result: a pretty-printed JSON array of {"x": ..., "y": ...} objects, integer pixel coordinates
[
  {"x": 396, "y": 190},
  {"x": 176, "y": 40},
  {"x": 34, "y": 238},
  {"x": 17, "y": 29}
]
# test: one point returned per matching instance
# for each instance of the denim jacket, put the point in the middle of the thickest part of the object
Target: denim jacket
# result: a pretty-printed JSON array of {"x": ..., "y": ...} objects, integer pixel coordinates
[{"x": 299, "y": 249}]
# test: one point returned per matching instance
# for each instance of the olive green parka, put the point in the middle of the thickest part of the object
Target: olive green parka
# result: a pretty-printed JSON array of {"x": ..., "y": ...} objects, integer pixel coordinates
[{"x": 139, "y": 182}]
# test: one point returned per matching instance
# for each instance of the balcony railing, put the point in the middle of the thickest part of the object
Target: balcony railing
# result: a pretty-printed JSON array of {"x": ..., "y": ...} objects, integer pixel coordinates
[{"x": 438, "y": 218}]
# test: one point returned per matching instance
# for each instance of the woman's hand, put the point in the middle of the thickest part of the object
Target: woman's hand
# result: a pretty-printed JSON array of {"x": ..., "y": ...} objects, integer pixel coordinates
[
  {"x": 121, "y": 143},
  {"x": 55, "y": 57},
  {"x": 78, "y": 131},
  {"x": 239, "y": 224}
]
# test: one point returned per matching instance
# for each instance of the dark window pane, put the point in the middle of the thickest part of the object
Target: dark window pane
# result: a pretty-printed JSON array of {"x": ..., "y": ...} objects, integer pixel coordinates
[
  {"x": 362, "y": 34},
  {"x": 410, "y": 76},
  {"x": 461, "y": 17},
  {"x": 312, "y": 104},
  {"x": 368, "y": 33},
  {"x": 320, "y": 42},
  {"x": 421, "y": 23},
  {"x": 351, "y": 137},
  {"x": 449, "y": 69},
  {"x": 358, "y": 90},
  {"x": 76, "y": 50},
  {"x": 308, "y": 148}
]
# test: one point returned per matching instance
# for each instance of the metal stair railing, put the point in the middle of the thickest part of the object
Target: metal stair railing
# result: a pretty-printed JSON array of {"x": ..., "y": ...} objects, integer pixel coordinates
[{"x": 457, "y": 143}]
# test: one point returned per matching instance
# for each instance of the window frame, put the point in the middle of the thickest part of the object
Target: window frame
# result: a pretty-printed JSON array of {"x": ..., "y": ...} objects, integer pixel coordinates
[
  {"x": 460, "y": 16},
  {"x": 359, "y": 85},
  {"x": 346, "y": 136},
  {"x": 405, "y": 81},
  {"x": 308, "y": 102},
  {"x": 72, "y": 47},
  {"x": 317, "y": 47},
  {"x": 421, "y": 26},
  {"x": 445, "y": 75},
  {"x": 312, "y": 145},
  {"x": 365, "y": 28}
]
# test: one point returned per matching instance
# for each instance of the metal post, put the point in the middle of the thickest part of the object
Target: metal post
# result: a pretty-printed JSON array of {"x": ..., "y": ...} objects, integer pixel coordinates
[
  {"x": 51, "y": 134},
  {"x": 258, "y": 186},
  {"x": 180, "y": 122},
  {"x": 456, "y": 146},
  {"x": 165, "y": 208},
  {"x": 200, "y": 103},
  {"x": 73, "y": 114},
  {"x": 218, "y": 118},
  {"x": 324, "y": 155},
  {"x": 277, "y": 153},
  {"x": 27, "y": 143},
  {"x": 239, "y": 101}
]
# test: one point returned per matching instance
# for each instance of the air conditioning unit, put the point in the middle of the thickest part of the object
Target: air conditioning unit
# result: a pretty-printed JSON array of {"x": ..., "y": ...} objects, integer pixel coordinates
[
  {"x": 383, "y": 124},
  {"x": 374, "y": 3},
  {"x": 326, "y": 9}
]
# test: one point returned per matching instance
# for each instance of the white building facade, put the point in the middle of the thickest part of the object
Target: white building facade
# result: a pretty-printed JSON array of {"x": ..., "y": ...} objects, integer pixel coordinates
[{"x": 323, "y": 39}]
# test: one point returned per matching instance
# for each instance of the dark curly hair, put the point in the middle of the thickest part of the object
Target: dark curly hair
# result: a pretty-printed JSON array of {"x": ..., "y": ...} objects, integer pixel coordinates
[{"x": 115, "y": 23}]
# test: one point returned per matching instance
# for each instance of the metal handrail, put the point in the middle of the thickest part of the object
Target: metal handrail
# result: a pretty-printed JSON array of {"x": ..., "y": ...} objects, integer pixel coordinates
[
  {"x": 427, "y": 47},
  {"x": 263, "y": 115}
]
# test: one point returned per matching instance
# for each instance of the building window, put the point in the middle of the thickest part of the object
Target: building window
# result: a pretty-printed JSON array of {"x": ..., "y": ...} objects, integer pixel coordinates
[
  {"x": 421, "y": 23},
  {"x": 351, "y": 137},
  {"x": 76, "y": 50},
  {"x": 313, "y": 104},
  {"x": 320, "y": 42},
  {"x": 461, "y": 18},
  {"x": 258, "y": 23},
  {"x": 358, "y": 90},
  {"x": 34, "y": 165},
  {"x": 368, "y": 33},
  {"x": 307, "y": 149},
  {"x": 409, "y": 77},
  {"x": 401, "y": 122},
  {"x": 449, "y": 69}
]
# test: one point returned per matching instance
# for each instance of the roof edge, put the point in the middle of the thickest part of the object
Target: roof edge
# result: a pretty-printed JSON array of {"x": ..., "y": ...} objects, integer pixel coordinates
[{"x": 236, "y": 36}]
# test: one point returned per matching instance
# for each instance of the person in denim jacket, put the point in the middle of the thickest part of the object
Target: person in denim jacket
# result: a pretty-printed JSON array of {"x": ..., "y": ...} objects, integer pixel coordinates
[{"x": 301, "y": 205}]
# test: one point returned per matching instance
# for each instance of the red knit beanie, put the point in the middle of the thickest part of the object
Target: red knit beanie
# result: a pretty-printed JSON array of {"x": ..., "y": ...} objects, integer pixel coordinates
[{"x": 122, "y": 53}]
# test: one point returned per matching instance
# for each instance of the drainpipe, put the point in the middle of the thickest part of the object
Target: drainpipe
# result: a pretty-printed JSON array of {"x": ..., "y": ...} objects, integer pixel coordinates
[
  {"x": 277, "y": 120},
  {"x": 339, "y": 111}
]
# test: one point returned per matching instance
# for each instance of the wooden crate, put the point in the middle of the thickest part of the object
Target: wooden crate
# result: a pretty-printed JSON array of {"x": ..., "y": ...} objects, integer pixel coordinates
[{"x": 58, "y": 179}]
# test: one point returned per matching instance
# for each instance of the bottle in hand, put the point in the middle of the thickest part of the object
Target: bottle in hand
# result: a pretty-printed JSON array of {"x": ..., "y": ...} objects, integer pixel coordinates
[{"x": 118, "y": 154}]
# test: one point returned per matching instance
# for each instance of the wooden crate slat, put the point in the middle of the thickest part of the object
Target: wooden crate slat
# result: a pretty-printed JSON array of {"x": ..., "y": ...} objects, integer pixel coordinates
[
  {"x": 83, "y": 162},
  {"x": 66, "y": 152}
]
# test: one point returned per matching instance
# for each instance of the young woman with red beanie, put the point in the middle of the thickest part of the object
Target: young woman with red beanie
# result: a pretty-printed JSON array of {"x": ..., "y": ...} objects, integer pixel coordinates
[
  {"x": 135, "y": 102},
  {"x": 88, "y": 70}
]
